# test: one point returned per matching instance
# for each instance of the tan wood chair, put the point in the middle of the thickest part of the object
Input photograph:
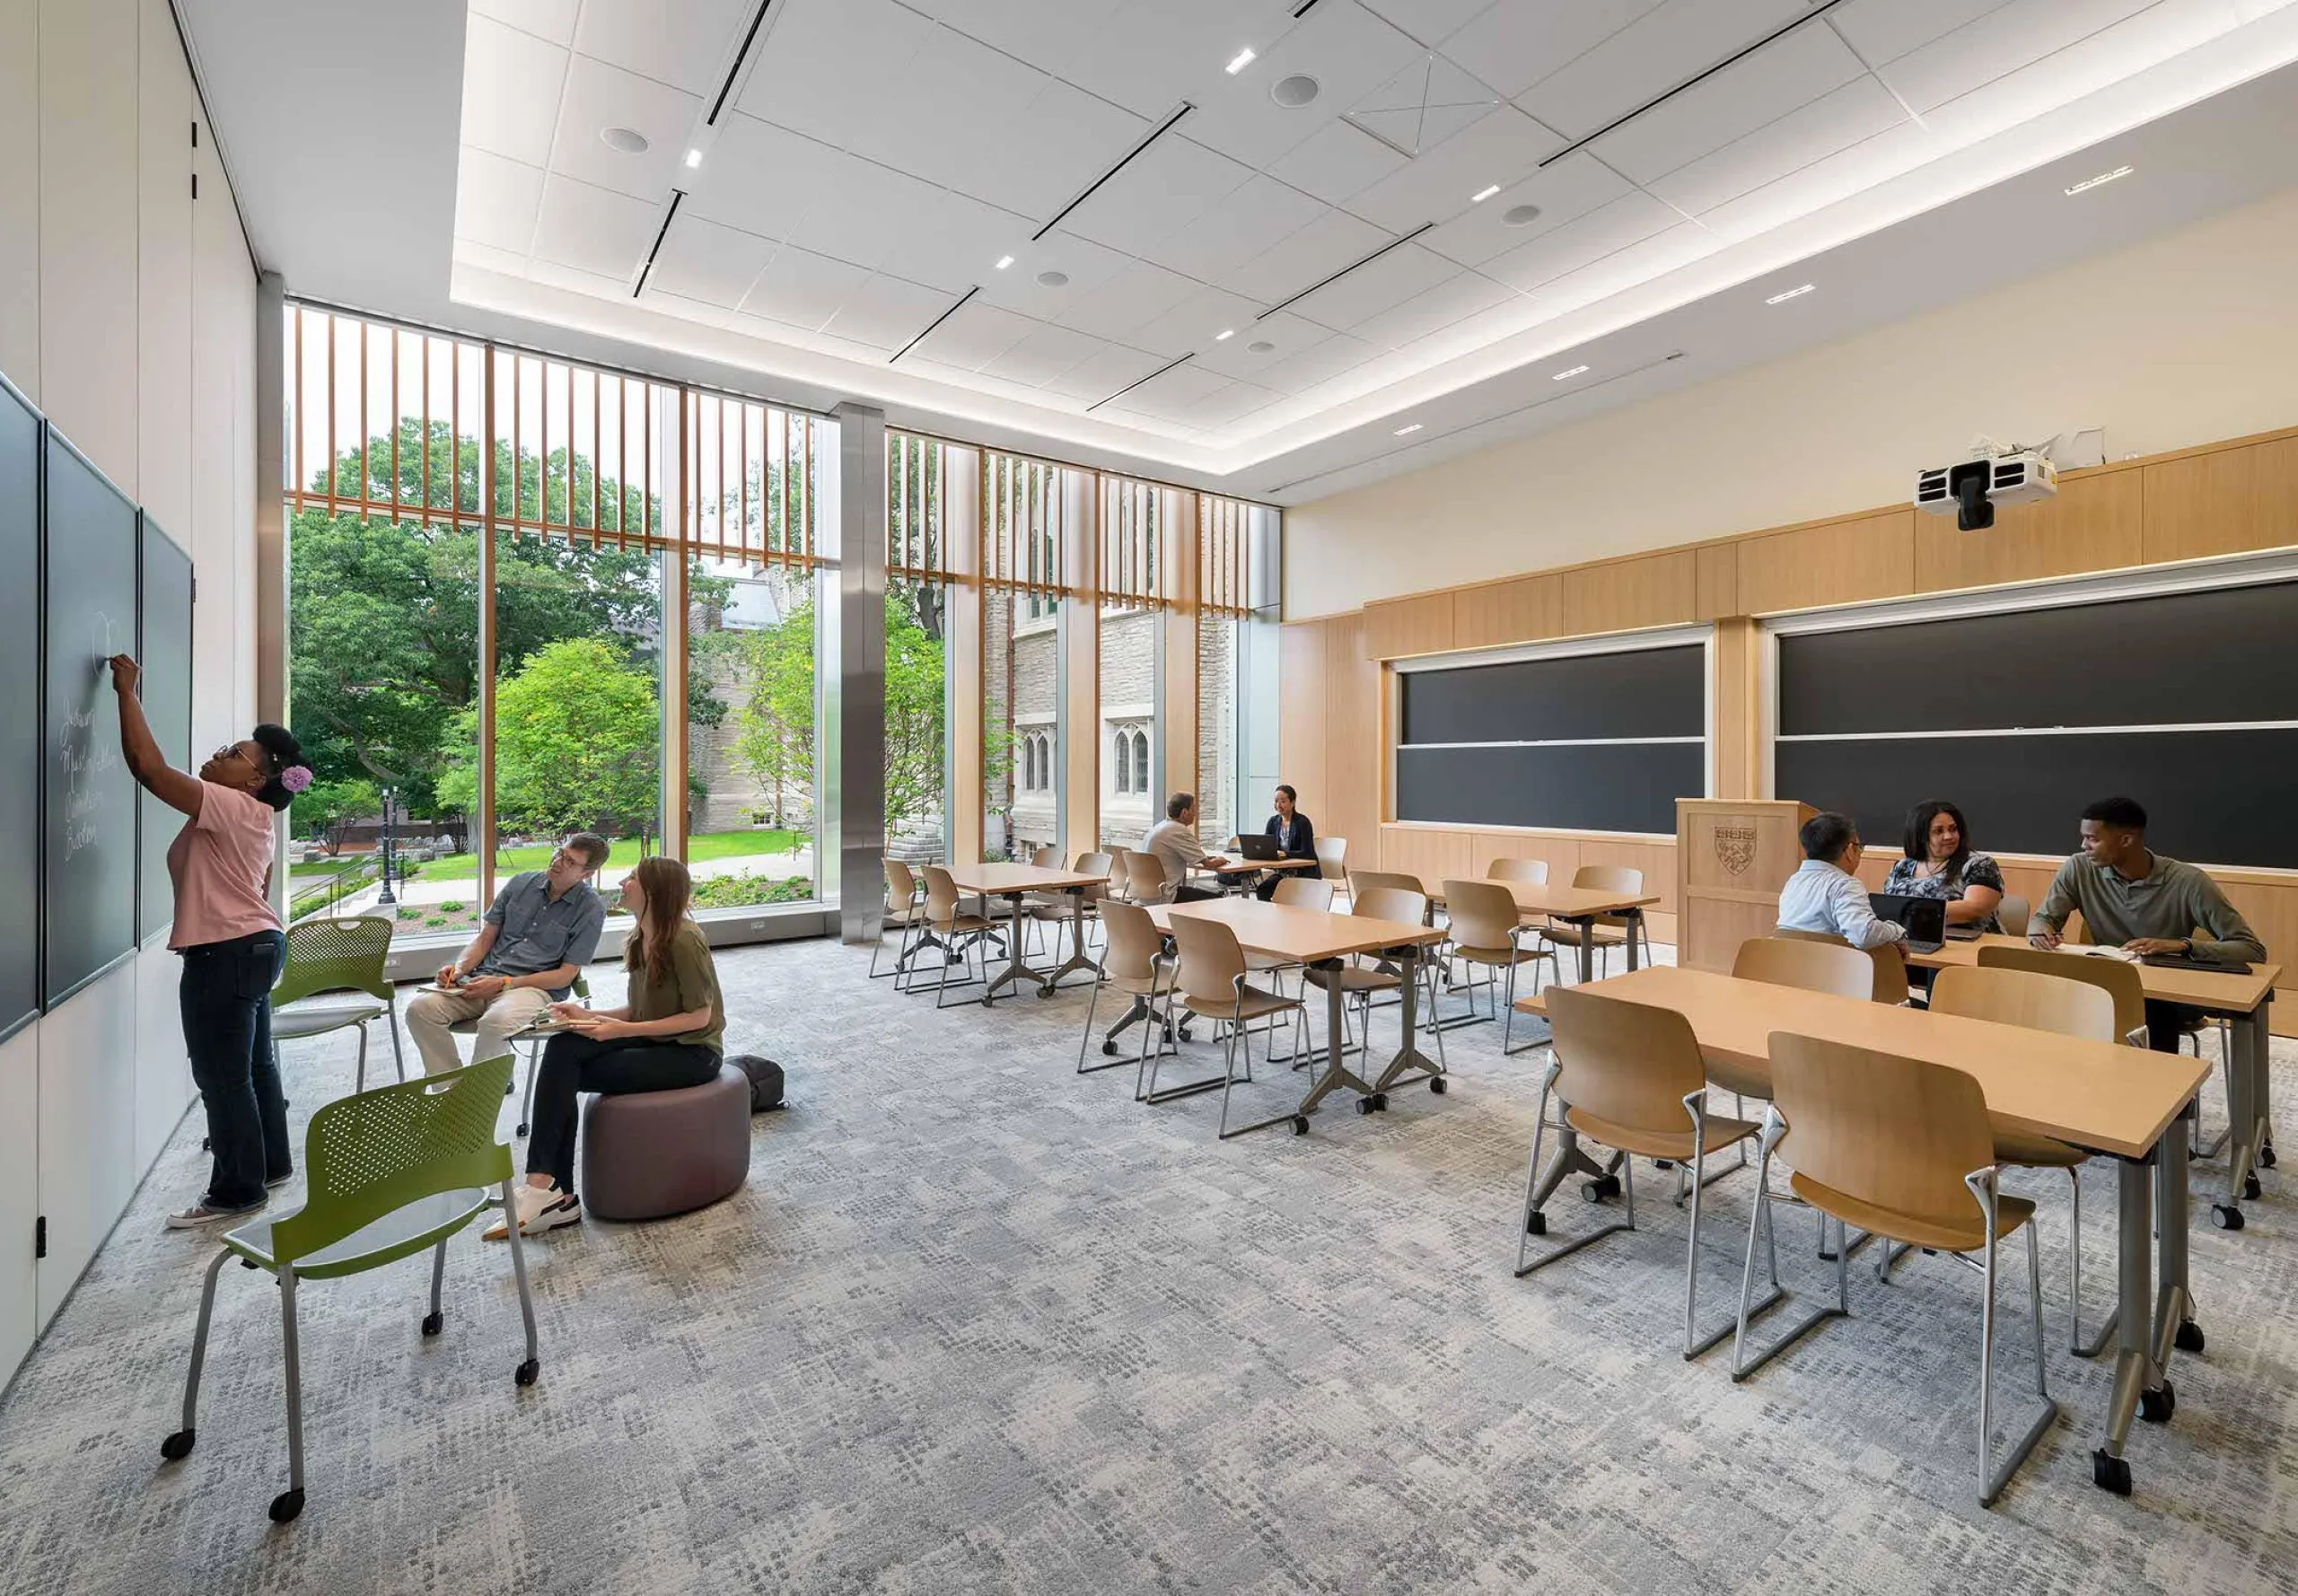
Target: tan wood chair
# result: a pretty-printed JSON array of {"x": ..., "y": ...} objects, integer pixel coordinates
[
  {"x": 1398, "y": 880},
  {"x": 2012, "y": 913},
  {"x": 1901, "y": 1148},
  {"x": 961, "y": 932},
  {"x": 2009, "y": 996},
  {"x": 1211, "y": 984},
  {"x": 1803, "y": 959},
  {"x": 1534, "y": 870},
  {"x": 1294, "y": 892},
  {"x": 1486, "y": 930},
  {"x": 1332, "y": 862},
  {"x": 1362, "y": 977},
  {"x": 1134, "y": 962},
  {"x": 1887, "y": 966},
  {"x": 1631, "y": 1078},
  {"x": 905, "y": 913},
  {"x": 1145, "y": 877},
  {"x": 1119, "y": 888},
  {"x": 1606, "y": 932}
]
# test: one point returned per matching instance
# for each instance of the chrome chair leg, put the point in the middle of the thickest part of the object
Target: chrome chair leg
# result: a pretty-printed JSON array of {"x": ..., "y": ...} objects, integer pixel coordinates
[
  {"x": 179, "y": 1445},
  {"x": 290, "y": 1503}
]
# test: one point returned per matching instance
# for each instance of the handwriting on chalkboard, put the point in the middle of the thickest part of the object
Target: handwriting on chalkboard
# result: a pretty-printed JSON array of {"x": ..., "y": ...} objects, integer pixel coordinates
[{"x": 86, "y": 756}]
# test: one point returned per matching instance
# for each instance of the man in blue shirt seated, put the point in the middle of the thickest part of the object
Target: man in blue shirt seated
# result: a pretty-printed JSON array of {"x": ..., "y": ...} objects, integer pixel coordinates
[
  {"x": 1823, "y": 895},
  {"x": 542, "y": 927}
]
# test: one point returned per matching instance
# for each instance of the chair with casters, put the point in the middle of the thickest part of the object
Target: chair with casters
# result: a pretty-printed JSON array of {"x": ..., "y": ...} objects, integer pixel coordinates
[
  {"x": 2011, "y": 913},
  {"x": 1887, "y": 980},
  {"x": 333, "y": 978},
  {"x": 961, "y": 930},
  {"x": 1606, "y": 932},
  {"x": 1534, "y": 870},
  {"x": 905, "y": 906},
  {"x": 1145, "y": 877},
  {"x": 1365, "y": 975},
  {"x": 1211, "y": 984},
  {"x": 391, "y": 1172},
  {"x": 2009, "y": 996},
  {"x": 1488, "y": 929},
  {"x": 534, "y": 1034},
  {"x": 1630, "y": 1077},
  {"x": 1332, "y": 862},
  {"x": 1041, "y": 910},
  {"x": 1901, "y": 1148},
  {"x": 1098, "y": 864},
  {"x": 1134, "y": 962}
]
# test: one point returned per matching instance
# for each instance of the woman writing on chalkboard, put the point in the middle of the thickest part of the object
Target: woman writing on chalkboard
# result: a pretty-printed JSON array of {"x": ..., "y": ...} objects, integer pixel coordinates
[{"x": 230, "y": 939}]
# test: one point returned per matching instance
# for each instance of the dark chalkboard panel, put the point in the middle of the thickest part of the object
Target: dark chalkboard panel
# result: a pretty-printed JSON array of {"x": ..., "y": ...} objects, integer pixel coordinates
[
  {"x": 1646, "y": 692},
  {"x": 20, "y": 739},
  {"x": 2236, "y": 651},
  {"x": 2211, "y": 797},
  {"x": 89, "y": 554},
  {"x": 164, "y": 648},
  {"x": 1629, "y": 787}
]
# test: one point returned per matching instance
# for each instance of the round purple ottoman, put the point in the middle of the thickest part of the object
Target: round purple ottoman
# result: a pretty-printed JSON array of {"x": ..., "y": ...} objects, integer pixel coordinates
[{"x": 651, "y": 1154}]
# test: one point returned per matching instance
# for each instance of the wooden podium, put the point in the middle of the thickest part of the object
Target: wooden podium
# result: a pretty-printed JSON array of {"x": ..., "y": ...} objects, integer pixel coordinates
[{"x": 1733, "y": 856}]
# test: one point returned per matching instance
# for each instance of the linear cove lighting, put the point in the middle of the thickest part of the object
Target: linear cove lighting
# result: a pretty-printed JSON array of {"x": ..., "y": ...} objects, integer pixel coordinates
[
  {"x": 2104, "y": 177},
  {"x": 1481, "y": 195},
  {"x": 1004, "y": 261},
  {"x": 1781, "y": 299},
  {"x": 1244, "y": 59},
  {"x": 1413, "y": 428},
  {"x": 1222, "y": 338},
  {"x": 693, "y": 158},
  {"x": 1575, "y": 371}
]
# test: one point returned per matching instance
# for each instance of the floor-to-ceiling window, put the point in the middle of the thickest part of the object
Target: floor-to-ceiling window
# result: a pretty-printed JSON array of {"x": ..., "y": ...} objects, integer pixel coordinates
[
  {"x": 1132, "y": 662},
  {"x": 1238, "y": 605},
  {"x": 1024, "y": 677},
  {"x": 919, "y": 568}
]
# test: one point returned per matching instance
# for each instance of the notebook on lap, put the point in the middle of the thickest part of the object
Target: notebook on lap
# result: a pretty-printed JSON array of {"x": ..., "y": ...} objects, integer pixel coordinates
[{"x": 1924, "y": 918}]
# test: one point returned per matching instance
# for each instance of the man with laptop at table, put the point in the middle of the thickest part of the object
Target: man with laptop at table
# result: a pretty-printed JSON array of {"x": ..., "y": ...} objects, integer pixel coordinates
[
  {"x": 2132, "y": 898},
  {"x": 1825, "y": 896}
]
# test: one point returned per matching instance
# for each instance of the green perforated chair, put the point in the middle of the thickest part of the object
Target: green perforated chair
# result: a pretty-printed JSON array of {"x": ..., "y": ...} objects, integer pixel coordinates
[
  {"x": 391, "y": 1172},
  {"x": 334, "y": 978}
]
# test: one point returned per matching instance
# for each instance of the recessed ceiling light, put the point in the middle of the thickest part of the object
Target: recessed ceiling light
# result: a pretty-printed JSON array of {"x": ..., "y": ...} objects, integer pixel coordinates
[
  {"x": 1242, "y": 60},
  {"x": 1413, "y": 428},
  {"x": 2104, "y": 177},
  {"x": 1224, "y": 336},
  {"x": 1575, "y": 371},
  {"x": 1053, "y": 279},
  {"x": 1004, "y": 261},
  {"x": 629, "y": 141},
  {"x": 1293, "y": 93},
  {"x": 1792, "y": 294},
  {"x": 693, "y": 158},
  {"x": 1481, "y": 195},
  {"x": 1259, "y": 346},
  {"x": 1520, "y": 215}
]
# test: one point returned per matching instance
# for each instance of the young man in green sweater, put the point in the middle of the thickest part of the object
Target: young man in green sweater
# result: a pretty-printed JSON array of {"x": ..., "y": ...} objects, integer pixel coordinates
[{"x": 2147, "y": 903}]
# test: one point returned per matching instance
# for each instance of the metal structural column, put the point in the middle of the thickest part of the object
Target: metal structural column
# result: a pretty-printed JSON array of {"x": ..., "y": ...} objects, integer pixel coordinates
[
  {"x": 859, "y": 759},
  {"x": 271, "y": 685}
]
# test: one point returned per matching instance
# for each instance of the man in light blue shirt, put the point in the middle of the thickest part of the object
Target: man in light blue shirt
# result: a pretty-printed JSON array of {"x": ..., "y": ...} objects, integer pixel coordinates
[{"x": 1823, "y": 895}]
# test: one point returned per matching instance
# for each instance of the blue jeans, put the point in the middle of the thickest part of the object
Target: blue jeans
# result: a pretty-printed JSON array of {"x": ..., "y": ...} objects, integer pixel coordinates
[{"x": 225, "y": 996}]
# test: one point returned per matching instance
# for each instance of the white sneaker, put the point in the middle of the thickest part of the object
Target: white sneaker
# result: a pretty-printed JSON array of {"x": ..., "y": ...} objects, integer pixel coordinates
[
  {"x": 539, "y": 1208},
  {"x": 205, "y": 1213}
]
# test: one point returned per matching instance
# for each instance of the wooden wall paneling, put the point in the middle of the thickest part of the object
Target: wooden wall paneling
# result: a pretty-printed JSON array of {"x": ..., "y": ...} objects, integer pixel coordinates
[
  {"x": 1436, "y": 853},
  {"x": 2224, "y": 501},
  {"x": 1735, "y": 739},
  {"x": 1716, "y": 582},
  {"x": 1840, "y": 562},
  {"x": 1301, "y": 729},
  {"x": 1355, "y": 767},
  {"x": 19, "y": 236},
  {"x": 2091, "y": 524},
  {"x": 1395, "y": 628},
  {"x": 164, "y": 273},
  {"x": 1656, "y": 859},
  {"x": 1561, "y": 853},
  {"x": 1494, "y": 614},
  {"x": 1654, "y": 589}
]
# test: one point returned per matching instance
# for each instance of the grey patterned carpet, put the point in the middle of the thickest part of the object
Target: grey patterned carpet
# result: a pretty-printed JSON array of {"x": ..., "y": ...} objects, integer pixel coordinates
[{"x": 979, "y": 1324}]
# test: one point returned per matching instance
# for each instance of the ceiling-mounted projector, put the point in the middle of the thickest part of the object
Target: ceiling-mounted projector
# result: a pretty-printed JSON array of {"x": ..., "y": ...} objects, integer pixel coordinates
[{"x": 1971, "y": 488}]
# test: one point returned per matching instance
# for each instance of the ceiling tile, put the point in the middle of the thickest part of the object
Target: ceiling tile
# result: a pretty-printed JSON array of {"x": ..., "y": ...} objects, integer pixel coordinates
[
  {"x": 552, "y": 20},
  {"x": 510, "y": 86},
  {"x": 1450, "y": 302},
  {"x": 886, "y": 312},
  {"x": 1227, "y": 405},
  {"x": 1242, "y": 227},
  {"x": 1286, "y": 334},
  {"x": 1149, "y": 54},
  {"x": 1160, "y": 191},
  {"x": 1571, "y": 188},
  {"x": 926, "y": 113},
  {"x": 576, "y": 280},
  {"x": 1168, "y": 394},
  {"x": 1396, "y": 276},
  {"x": 1899, "y": 148},
  {"x": 1040, "y": 157},
  {"x": 1602, "y": 231},
  {"x": 1883, "y": 30},
  {"x": 1432, "y": 22},
  {"x": 1791, "y": 71},
  {"x": 946, "y": 240},
  {"x": 685, "y": 309},
  {"x": 1663, "y": 48},
  {"x": 1194, "y": 323},
  {"x": 690, "y": 45},
  {"x": 487, "y": 258},
  {"x": 974, "y": 335},
  {"x": 1423, "y": 105},
  {"x": 1471, "y": 333},
  {"x": 1336, "y": 161},
  {"x": 1855, "y": 112},
  {"x": 1326, "y": 245},
  {"x": 1512, "y": 46},
  {"x": 1138, "y": 294},
  {"x": 763, "y": 178},
  {"x": 1320, "y": 362},
  {"x": 598, "y": 97},
  {"x": 1997, "y": 44},
  {"x": 1087, "y": 265},
  {"x": 824, "y": 66},
  {"x": 1345, "y": 48},
  {"x": 1044, "y": 32},
  {"x": 1044, "y": 354},
  {"x": 702, "y": 260},
  {"x": 801, "y": 289},
  {"x": 1500, "y": 148},
  {"x": 1104, "y": 372},
  {"x": 496, "y": 200},
  {"x": 593, "y": 230},
  {"x": 1647, "y": 258}
]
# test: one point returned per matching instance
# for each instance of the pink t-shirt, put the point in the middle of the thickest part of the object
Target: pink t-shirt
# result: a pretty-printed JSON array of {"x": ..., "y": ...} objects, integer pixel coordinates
[{"x": 218, "y": 862}]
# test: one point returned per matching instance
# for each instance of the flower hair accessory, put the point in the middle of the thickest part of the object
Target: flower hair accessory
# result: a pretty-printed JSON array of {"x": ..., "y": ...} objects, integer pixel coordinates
[{"x": 296, "y": 777}]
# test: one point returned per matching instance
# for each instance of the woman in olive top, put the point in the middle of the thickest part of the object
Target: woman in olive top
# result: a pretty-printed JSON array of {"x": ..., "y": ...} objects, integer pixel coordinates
[
  {"x": 1940, "y": 863},
  {"x": 230, "y": 940},
  {"x": 670, "y": 1034}
]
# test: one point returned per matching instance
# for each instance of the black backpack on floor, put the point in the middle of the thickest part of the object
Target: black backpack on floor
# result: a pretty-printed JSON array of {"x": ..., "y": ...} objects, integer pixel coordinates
[{"x": 765, "y": 1078}]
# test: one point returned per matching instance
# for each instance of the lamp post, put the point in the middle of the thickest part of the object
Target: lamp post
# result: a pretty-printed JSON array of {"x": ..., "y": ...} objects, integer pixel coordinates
[{"x": 390, "y": 804}]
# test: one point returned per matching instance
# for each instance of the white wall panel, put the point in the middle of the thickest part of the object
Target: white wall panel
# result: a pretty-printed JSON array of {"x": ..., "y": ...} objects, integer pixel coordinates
[
  {"x": 19, "y": 1195},
  {"x": 163, "y": 274},
  {"x": 163, "y": 1068},
  {"x": 20, "y": 210},
  {"x": 222, "y": 531},
  {"x": 87, "y": 1126},
  {"x": 87, "y": 227}
]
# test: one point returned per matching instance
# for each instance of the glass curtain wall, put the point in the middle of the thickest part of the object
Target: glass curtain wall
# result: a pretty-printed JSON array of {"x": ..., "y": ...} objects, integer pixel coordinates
[
  {"x": 1238, "y": 591},
  {"x": 1023, "y": 673},
  {"x": 919, "y": 571},
  {"x": 1133, "y": 598}
]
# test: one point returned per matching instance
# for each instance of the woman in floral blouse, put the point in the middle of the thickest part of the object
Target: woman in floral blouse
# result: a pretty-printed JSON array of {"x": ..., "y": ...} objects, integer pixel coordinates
[{"x": 1940, "y": 863}]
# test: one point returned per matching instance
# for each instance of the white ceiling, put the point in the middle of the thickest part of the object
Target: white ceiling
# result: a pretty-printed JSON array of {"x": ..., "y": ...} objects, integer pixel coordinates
[{"x": 876, "y": 159}]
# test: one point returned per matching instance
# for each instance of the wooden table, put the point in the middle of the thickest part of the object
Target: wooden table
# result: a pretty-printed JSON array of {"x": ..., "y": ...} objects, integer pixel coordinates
[
  {"x": 2124, "y": 1102},
  {"x": 1017, "y": 881},
  {"x": 1574, "y": 905},
  {"x": 1314, "y": 937},
  {"x": 2243, "y": 1000},
  {"x": 1233, "y": 865}
]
